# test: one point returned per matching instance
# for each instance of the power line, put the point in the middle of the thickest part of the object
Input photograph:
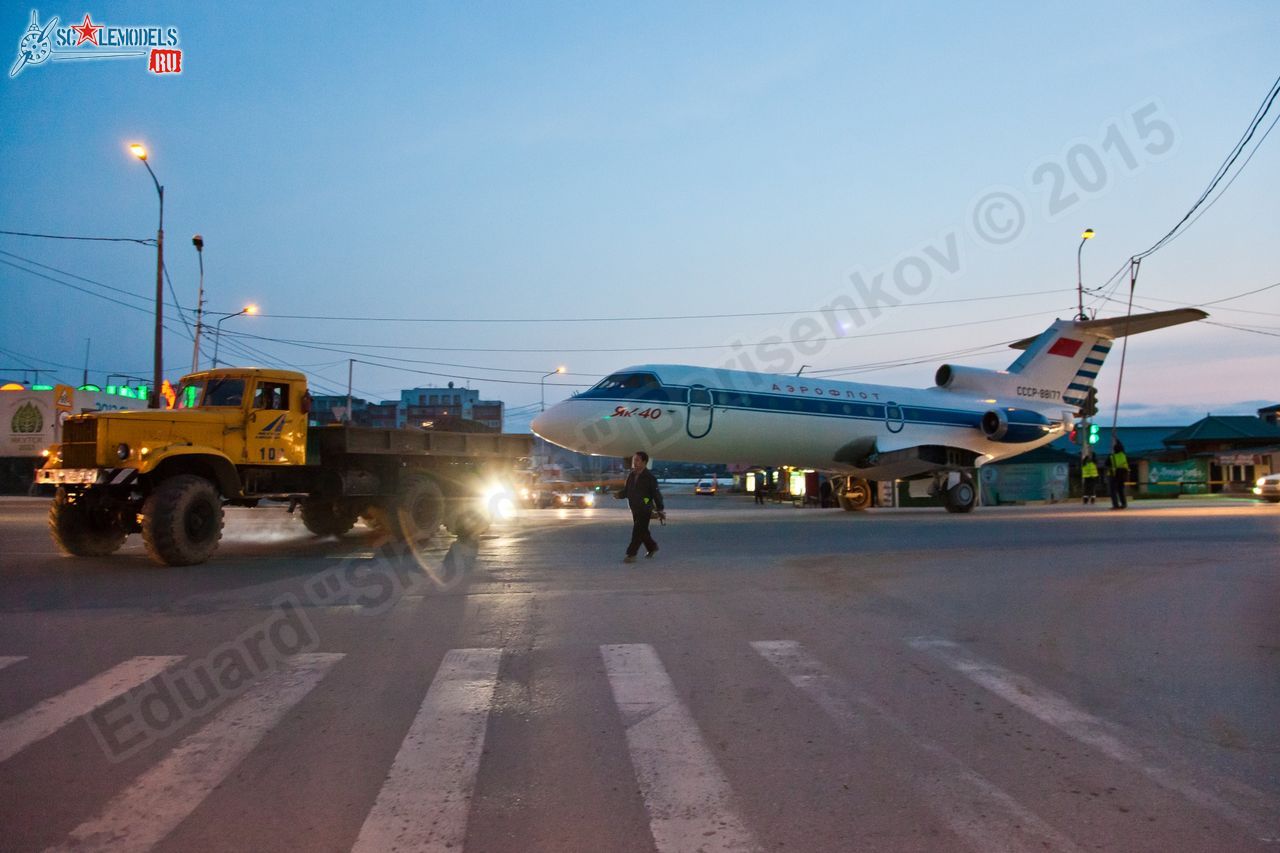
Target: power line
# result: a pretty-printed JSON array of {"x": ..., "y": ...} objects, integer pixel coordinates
[
  {"x": 728, "y": 316},
  {"x": 1234, "y": 155},
  {"x": 145, "y": 241}
]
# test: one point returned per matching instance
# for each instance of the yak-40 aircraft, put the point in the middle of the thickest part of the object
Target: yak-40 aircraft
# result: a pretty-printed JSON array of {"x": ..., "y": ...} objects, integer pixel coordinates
[{"x": 859, "y": 433}]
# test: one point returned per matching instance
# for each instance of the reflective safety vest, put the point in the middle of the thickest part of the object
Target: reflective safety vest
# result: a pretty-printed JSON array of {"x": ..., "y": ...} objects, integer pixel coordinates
[
  {"x": 1119, "y": 460},
  {"x": 1089, "y": 469}
]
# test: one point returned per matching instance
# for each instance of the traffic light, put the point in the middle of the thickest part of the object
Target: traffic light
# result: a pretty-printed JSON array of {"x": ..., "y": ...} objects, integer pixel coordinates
[
  {"x": 1075, "y": 435},
  {"x": 1093, "y": 433},
  {"x": 1089, "y": 407}
]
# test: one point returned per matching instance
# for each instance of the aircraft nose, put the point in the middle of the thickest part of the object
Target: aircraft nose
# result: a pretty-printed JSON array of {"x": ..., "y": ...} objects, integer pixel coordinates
[{"x": 552, "y": 425}]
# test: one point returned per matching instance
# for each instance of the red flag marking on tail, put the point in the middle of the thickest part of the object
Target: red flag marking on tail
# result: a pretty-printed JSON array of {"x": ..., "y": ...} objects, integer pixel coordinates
[{"x": 1065, "y": 347}]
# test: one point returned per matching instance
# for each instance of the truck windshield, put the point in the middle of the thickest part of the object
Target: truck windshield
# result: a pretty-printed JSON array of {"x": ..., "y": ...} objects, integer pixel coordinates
[
  {"x": 224, "y": 392},
  {"x": 189, "y": 395}
]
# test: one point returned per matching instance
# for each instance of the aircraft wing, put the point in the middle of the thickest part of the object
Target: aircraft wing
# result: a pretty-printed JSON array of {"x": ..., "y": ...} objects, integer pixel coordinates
[
  {"x": 1118, "y": 327},
  {"x": 896, "y": 463}
]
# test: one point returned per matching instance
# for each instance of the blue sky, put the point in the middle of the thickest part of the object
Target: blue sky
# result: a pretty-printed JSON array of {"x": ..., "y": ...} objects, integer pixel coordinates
[{"x": 552, "y": 162}]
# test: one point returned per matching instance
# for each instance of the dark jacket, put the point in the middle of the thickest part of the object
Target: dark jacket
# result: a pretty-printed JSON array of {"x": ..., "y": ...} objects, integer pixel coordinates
[{"x": 641, "y": 492}]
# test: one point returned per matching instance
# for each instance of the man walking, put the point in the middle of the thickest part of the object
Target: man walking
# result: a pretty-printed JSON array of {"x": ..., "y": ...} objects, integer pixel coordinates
[{"x": 641, "y": 492}]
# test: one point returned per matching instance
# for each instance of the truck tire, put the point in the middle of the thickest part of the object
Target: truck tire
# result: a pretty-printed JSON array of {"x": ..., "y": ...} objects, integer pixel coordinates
[
  {"x": 182, "y": 521},
  {"x": 79, "y": 531},
  {"x": 419, "y": 510},
  {"x": 856, "y": 495},
  {"x": 469, "y": 524},
  {"x": 327, "y": 518}
]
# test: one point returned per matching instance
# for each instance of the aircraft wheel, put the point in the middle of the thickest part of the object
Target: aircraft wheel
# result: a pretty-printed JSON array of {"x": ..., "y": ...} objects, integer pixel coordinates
[
  {"x": 856, "y": 495},
  {"x": 963, "y": 496}
]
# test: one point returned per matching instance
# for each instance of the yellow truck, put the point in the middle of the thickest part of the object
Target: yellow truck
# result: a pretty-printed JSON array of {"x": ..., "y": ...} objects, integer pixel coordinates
[{"x": 239, "y": 436}]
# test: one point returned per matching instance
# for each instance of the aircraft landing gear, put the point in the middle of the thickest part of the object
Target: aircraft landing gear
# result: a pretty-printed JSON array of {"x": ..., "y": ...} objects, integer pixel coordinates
[
  {"x": 855, "y": 496},
  {"x": 960, "y": 495}
]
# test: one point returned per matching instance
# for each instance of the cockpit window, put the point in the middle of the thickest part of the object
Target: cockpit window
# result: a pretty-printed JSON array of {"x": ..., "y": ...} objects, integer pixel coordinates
[{"x": 628, "y": 382}]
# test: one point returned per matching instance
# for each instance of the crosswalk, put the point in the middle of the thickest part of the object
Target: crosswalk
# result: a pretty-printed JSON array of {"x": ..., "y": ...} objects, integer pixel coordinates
[{"x": 425, "y": 801}]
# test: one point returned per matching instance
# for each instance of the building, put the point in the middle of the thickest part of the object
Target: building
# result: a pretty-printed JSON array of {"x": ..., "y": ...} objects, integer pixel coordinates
[{"x": 447, "y": 408}]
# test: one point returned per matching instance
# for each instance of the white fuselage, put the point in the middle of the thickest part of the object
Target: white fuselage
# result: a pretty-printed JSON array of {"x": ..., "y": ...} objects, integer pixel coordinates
[{"x": 699, "y": 414}]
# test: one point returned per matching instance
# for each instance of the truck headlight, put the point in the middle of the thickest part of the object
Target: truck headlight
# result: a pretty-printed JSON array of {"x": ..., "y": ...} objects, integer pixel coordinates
[{"x": 122, "y": 451}]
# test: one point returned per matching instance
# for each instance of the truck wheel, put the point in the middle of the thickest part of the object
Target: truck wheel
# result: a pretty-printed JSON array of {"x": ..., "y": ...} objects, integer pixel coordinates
[
  {"x": 419, "y": 510},
  {"x": 856, "y": 495},
  {"x": 962, "y": 496},
  {"x": 327, "y": 518},
  {"x": 182, "y": 521},
  {"x": 80, "y": 531},
  {"x": 469, "y": 524}
]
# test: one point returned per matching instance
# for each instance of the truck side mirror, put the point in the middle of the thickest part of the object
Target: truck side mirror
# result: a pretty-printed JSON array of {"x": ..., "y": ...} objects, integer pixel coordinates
[{"x": 306, "y": 403}]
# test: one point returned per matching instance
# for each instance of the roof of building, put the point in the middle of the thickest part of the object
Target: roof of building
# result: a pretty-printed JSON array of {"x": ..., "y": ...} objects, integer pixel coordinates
[
  {"x": 1138, "y": 440},
  {"x": 1226, "y": 428}
]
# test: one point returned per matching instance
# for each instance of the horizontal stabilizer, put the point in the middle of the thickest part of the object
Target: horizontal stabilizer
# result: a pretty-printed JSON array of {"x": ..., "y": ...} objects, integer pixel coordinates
[{"x": 1117, "y": 327}]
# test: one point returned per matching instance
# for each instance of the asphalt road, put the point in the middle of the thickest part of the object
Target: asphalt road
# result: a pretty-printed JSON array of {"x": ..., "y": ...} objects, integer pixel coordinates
[{"x": 781, "y": 679}]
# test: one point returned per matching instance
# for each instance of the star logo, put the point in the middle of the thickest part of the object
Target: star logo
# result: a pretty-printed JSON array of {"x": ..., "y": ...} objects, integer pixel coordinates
[{"x": 87, "y": 32}]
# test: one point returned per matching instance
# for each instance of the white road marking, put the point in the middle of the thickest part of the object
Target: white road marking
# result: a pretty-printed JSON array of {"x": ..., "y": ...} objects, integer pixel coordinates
[
  {"x": 423, "y": 804},
  {"x": 141, "y": 816},
  {"x": 685, "y": 792},
  {"x": 42, "y": 720},
  {"x": 1108, "y": 738},
  {"x": 9, "y": 661},
  {"x": 974, "y": 808}
]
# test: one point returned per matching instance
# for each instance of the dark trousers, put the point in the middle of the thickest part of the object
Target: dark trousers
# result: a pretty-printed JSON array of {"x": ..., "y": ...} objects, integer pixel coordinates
[
  {"x": 1118, "y": 479},
  {"x": 640, "y": 533},
  {"x": 759, "y": 495},
  {"x": 1090, "y": 488}
]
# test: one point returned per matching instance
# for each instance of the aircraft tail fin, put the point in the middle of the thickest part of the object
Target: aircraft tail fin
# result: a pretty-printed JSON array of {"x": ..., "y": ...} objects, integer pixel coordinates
[{"x": 1067, "y": 356}]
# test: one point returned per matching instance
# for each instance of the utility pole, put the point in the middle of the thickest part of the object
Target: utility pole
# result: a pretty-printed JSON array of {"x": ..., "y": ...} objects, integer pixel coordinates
[
  {"x": 84, "y": 380},
  {"x": 351, "y": 367},
  {"x": 198, "y": 242}
]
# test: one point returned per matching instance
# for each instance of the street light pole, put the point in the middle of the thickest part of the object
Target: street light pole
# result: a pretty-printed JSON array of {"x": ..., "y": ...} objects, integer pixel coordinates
[
  {"x": 140, "y": 152},
  {"x": 198, "y": 242},
  {"x": 1083, "y": 430},
  {"x": 1087, "y": 235},
  {"x": 542, "y": 388},
  {"x": 217, "y": 328}
]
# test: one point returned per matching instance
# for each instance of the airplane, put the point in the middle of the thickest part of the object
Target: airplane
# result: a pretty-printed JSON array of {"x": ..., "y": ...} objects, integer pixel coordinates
[{"x": 857, "y": 432}]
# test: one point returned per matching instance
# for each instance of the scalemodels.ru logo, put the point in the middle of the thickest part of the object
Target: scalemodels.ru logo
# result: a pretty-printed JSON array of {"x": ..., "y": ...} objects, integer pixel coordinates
[{"x": 87, "y": 40}]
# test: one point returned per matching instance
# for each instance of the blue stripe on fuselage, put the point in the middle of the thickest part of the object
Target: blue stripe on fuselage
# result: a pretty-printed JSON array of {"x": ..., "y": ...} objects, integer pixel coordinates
[{"x": 813, "y": 406}]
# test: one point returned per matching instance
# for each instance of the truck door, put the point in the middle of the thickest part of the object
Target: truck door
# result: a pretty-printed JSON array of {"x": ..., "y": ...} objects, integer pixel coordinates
[
  {"x": 698, "y": 420},
  {"x": 277, "y": 430}
]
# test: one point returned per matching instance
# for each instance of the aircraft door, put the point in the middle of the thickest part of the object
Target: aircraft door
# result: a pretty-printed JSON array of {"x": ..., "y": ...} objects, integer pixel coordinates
[
  {"x": 893, "y": 417},
  {"x": 698, "y": 421}
]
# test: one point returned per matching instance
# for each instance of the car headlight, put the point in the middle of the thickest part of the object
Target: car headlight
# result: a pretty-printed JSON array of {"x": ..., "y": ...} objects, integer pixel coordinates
[
  {"x": 122, "y": 451},
  {"x": 589, "y": 500}
]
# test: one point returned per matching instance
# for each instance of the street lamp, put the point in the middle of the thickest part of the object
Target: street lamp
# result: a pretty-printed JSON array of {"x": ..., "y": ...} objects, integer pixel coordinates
[
  {"x": 140, "y": 152},
  {"x": 250, "y": 309},
  {"x": 542, "y": 388},
  {"x": 1087, "y": 235},
  {"x": 198, "y": 242}
]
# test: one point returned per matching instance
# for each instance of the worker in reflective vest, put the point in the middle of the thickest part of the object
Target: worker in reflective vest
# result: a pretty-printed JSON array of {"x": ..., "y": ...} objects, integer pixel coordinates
[
  {"x": 1119, "y": 471},
  {"x": 1089, "y": 478}
]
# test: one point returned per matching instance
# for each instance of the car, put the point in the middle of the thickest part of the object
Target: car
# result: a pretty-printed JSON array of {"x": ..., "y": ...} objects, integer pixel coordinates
[
  {"x": 583, "y": 498},
  {"x": 1268, "y": 488},
  {"x": 706, "y": 487},
  {"x": 560, "y": 493}
]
